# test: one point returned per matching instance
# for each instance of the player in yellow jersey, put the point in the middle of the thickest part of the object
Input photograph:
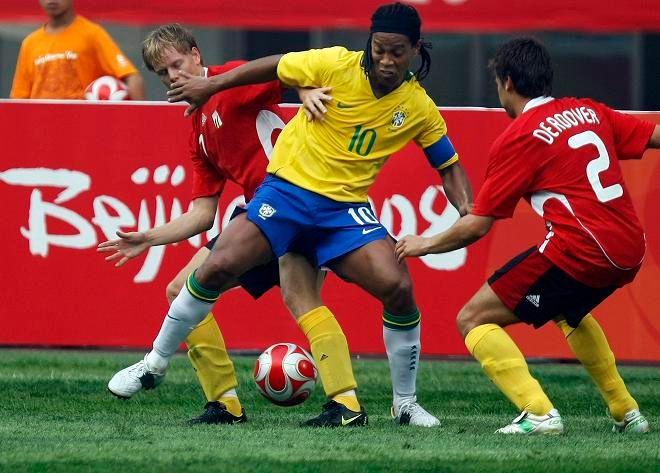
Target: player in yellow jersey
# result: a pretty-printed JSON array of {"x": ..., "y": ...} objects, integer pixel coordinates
[
  {"x": 314, "y": 199},
  {"x": 217, "y": 157}
]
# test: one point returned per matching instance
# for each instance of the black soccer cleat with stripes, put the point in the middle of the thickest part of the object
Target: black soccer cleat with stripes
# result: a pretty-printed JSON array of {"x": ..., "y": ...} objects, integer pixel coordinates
[{"x": 335, "y": 414}]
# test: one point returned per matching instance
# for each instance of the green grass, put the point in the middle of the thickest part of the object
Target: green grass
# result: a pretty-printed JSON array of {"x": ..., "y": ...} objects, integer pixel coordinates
[{"x": 56, "y": 416}]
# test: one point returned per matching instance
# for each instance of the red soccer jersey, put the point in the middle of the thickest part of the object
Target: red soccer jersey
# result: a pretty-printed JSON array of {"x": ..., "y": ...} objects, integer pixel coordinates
[
  {"x": 227, "y": 136},
  {"x": 562, "y": 156}
]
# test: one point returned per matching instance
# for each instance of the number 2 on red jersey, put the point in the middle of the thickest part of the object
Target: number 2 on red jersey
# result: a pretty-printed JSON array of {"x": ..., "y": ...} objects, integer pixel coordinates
[{"x": 596, "y": 166}]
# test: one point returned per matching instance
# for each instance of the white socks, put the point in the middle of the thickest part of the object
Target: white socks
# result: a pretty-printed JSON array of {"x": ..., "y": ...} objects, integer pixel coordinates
[
  {"x": 185, "y": 313},
  {"x": 403, "y": 348}
]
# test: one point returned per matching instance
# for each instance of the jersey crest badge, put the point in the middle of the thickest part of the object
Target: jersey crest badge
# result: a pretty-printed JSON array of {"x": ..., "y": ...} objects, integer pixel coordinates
[
  {"x": 217, "y": 121},
  {"x": 398, "y": 118},
  {"x": 266, "y": 211},
  {"x": 203, "y": 119}
]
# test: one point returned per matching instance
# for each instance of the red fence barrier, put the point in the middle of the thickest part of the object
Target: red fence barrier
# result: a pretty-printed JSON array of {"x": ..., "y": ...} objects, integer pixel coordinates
[{"x": 72, "y": 173}]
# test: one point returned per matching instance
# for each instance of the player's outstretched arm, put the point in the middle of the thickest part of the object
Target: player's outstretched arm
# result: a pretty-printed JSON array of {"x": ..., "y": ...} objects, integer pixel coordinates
[
  {"x": 126, "y": 247},
  {"x": 132, "y": 244},
  {"x": 465, "y": 231},
  {"x": 457, "y": 188},
  {"x": 196, "y": 90}
]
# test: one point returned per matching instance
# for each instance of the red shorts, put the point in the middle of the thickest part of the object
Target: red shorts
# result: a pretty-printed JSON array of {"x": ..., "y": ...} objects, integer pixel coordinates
[{"x": 537, "y": 291}]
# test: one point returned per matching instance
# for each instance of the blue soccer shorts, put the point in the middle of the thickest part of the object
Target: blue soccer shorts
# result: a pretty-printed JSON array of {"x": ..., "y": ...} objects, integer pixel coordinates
[{"x": 293, "y": 218}]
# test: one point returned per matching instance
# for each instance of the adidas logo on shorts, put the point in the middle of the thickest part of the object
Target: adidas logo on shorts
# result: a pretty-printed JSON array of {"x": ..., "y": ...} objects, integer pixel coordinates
[{"x": 536, "y": 299}]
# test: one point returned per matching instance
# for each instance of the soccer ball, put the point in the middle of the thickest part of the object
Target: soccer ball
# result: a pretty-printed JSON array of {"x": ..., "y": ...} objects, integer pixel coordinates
[
  {"x": 285, "y": 374},
  {"x": 106, "y": 88}
]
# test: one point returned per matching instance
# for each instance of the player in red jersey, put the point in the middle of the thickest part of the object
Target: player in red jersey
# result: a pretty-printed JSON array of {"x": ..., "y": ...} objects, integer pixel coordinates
[
  {"x": 230, "y": 140},
  {"x": 562, "y": 156}
]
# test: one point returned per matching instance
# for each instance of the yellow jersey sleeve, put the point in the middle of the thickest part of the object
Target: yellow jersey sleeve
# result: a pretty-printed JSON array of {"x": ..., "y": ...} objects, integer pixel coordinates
[
  {"x": 310, "y": 68},
  {"x": 435, "y": 127}
]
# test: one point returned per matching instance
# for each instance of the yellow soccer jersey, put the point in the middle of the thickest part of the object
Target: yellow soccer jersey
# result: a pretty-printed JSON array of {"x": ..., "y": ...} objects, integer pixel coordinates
[{"x": 341, "y": 156}]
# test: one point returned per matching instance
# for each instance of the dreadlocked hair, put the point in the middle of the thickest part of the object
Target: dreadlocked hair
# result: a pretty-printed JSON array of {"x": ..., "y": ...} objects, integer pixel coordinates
[
  {"x": 425, "y": 67},
  {"x": 402, "y": 19}
]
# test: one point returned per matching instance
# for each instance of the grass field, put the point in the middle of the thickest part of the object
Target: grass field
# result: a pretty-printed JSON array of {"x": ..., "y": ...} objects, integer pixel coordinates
[{"x": 56, "y": 416}]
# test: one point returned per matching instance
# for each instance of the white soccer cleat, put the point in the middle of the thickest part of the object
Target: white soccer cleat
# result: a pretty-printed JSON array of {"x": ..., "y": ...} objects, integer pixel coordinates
[
  {"x": 411, "y": 413},
  {"x": 127, "y": 382},
  {"x": 633, "y": 423},
  {"x": 530, "y": 424}
]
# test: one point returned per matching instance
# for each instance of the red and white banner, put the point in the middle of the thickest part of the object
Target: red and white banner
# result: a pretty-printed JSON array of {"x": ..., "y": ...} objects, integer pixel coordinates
[
  {"x": 71, "y": 174},
  {"x": 437, "y": 15}
]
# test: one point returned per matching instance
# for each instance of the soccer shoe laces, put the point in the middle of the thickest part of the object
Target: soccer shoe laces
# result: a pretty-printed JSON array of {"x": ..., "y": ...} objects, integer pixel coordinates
[
  {"x": 130, "y": 380},
  {"x": 147, "y": 377},
  {"x": 414, "y": 414},
  {"x": 138, "y": 370},
  {"x": 141, "y": 369},
  {"x": 417, "y": 412}
]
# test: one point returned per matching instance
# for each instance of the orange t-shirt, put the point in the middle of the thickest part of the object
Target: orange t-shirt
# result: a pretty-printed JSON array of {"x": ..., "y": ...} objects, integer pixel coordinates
[{"x": 62, "y": 65}]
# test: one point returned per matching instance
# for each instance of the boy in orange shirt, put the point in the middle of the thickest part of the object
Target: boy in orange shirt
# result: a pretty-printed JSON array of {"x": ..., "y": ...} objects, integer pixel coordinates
[{"x": 60, "y": 59}]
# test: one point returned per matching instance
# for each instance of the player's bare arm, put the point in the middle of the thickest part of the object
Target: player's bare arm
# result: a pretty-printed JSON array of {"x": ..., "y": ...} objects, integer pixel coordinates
[
  {"x": 135, "y": 86},
  {"x": 457, "y": 188},
  {"x": 313, "y": 102},
  {"x": 196, "y": 90},
  {"x": 131, "y": 244},
  {"x": 464, "y": 232},
  {"x": 654, "y": 142}
]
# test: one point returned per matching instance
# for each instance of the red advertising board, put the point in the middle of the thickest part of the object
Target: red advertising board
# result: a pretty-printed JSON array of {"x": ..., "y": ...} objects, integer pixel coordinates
[
  {"x": 71, "y": 174},
  {"x": 437, "y": 15}
]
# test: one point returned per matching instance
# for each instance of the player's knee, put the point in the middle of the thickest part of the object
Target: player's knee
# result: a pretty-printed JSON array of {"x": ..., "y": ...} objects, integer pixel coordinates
[
  {"x": 467, "y": 319},
  {"x": 173, "y": 289},
  {"x": 398, "y": 295},
  {"x": 217, "y": 271},
  {"x": 300, "y": 303}
]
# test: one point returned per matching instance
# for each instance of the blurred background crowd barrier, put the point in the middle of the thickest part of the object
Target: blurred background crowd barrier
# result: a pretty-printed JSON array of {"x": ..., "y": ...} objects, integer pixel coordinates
[
  {"x": 605, "y": 50},
  {"x": 73, "y": 173}
]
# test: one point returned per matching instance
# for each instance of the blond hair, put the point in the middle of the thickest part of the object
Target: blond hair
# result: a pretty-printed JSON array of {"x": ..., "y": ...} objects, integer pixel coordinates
[{"x": 165, "y": 37}]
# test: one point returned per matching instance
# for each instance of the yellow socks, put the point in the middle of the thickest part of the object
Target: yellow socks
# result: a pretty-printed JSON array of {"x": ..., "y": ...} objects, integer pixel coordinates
[
  {"x": 590, "y": 346},
  {"x": 330, "y": 350},
  {"x": 209, "y": 357},
  {"x": 230, "y": 400},
  {"x": 348, "y": 399},
  {"x": 505, "y": 365}
]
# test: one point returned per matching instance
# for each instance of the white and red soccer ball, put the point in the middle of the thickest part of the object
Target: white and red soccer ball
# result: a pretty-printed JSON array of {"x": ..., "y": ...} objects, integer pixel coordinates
[
  {"x": 106, "y": 88},
  {"x": 285, "y": 374}
]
